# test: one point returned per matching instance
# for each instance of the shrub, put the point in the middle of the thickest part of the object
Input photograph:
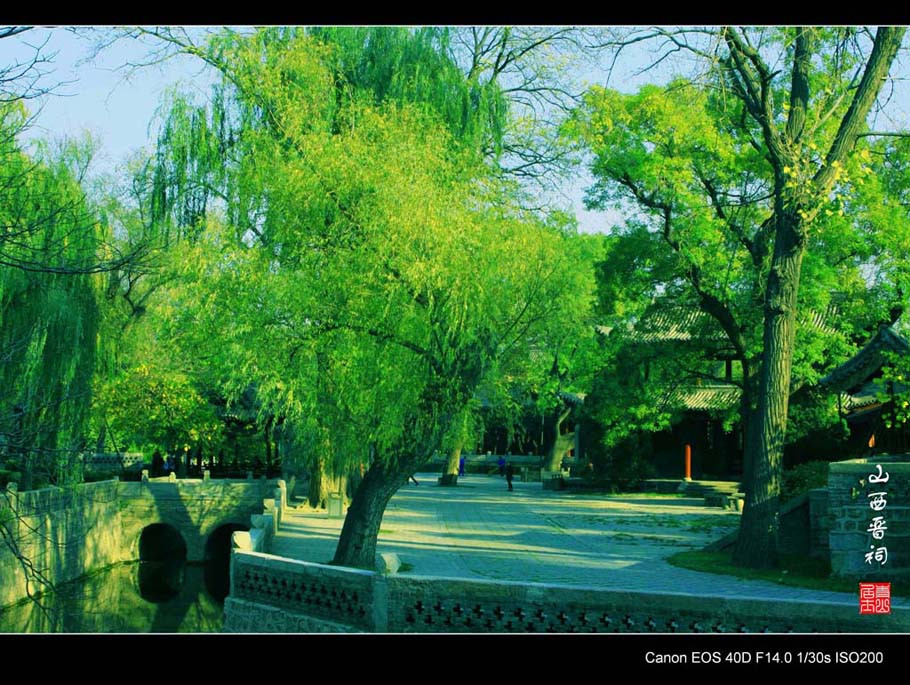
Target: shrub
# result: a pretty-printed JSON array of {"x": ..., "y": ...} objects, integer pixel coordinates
[{"x": 800, "y": 479}]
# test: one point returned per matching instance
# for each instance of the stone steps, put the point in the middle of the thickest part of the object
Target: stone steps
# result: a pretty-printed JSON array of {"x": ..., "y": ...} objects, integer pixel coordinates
[{"x": 716, "y": 493}]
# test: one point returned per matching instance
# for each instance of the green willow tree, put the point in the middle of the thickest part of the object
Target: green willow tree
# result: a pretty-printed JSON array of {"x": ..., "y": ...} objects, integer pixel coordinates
[
  {"x": 49, "y": 312},
  {"x": 367, "y": 268},
  {"x": 749, "y": 170}
]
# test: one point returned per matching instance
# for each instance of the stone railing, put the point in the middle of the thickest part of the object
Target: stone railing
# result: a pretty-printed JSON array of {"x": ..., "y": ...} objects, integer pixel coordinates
[
  {"x": 264, "y": 526},
  {"x": 270, "y": 594},
  {"x": 111, "y": 461}
]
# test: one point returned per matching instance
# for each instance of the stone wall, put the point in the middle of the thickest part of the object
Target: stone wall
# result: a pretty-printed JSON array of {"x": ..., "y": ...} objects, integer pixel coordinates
[
  {"x": 63, "y": 532},
  {"x": 270, "y": 594},
  {"x": 819, "y": 523},
  {"x": 850, "y": 517}
]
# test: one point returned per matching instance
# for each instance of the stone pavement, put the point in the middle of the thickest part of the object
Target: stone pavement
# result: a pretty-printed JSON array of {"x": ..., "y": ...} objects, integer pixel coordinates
[{"x": 480, "y": 530}]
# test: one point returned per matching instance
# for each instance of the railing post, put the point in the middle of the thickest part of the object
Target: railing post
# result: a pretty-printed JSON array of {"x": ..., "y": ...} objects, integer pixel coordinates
[{"x": 240, "y": 541}]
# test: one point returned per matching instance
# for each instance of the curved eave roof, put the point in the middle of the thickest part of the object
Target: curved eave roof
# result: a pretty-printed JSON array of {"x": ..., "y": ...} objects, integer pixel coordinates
[{"x": 866, "y": 363}]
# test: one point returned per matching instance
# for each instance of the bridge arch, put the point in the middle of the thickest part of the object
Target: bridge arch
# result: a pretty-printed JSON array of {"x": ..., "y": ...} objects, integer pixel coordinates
[
  {"x": 162, "y": 557},
  {"x": 161, "y": 542},
  {"x": 218, "y": 559}
]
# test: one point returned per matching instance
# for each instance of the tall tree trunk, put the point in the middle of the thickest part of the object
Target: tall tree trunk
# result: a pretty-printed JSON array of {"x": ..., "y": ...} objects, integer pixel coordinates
[
  {"x": 357, "y": 543},
  {"x": 323, "y": 482},
  {"x": 560, "y": 443},
  {"x": 450, "y": 474},
  {"x": 757, "y": 543},
  {"x": 758, "y": 536}
]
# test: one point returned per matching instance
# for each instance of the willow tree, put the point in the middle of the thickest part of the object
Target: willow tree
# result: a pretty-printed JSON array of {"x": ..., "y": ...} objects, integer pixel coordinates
[
  {"x": 369, "y": 269},
  {"x": 791, "y": 108},
  {"x": 48, "y": 306},
  {"x": 383, "y": 65},
  {"x": 499, "y": 90}
]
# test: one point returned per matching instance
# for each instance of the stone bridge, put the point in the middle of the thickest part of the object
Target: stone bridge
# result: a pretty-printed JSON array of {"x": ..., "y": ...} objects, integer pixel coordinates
[
  {"x": 65, "y": 533},
  {"x": 195, "y": 508}
]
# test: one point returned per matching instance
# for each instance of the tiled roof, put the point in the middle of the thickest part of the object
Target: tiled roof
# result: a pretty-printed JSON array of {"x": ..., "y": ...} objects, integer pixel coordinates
[
  {"x": 869, "y": 394},
  {"x": 866, "y": 363},
  {"x": 680, "y": 323},
  {"x": 676, "y": 324},
  {"x": 716, "y": 397},
  {"x": 864, "y": 398}
]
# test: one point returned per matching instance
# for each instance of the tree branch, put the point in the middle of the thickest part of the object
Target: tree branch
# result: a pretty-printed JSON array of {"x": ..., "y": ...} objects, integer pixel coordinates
[{"x": 884, "y": 50}]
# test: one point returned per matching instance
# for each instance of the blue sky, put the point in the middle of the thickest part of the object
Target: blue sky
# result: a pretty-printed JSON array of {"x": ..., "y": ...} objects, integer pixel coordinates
[
  {"x": 94, "y": 94},
  {"x": 96, "y": 97},
  {"x": 119, "y": 112}
]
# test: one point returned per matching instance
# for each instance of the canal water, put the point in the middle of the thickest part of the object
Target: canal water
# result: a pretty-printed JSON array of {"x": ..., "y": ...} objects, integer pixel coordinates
[{"x": 137, "y": 597}]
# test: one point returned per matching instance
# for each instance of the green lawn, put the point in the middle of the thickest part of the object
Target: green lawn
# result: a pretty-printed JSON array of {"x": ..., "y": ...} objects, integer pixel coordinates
[{"x": 814, "y": 574}]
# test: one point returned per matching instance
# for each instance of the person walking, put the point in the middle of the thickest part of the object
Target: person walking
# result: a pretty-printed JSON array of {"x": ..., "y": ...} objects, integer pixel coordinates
[
  {"x": 461, "y": 466},
  {"x": 502, "y": 466},
  {"x": 510, "y": 472}
]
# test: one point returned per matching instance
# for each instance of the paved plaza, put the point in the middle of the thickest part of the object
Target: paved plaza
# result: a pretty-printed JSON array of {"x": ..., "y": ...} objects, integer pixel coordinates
[{"x": 480, "y": 530}]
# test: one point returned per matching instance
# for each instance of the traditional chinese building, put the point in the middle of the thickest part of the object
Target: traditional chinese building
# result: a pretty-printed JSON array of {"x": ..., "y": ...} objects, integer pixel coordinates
[
  {"x": 705, "y": 397},
  {"x": 866, "y": 399},
  {"x": 702, "y": 398}
]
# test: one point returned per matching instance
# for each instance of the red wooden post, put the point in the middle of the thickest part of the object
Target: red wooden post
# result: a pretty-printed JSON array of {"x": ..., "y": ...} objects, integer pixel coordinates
[{"x": 688, "y": 461}]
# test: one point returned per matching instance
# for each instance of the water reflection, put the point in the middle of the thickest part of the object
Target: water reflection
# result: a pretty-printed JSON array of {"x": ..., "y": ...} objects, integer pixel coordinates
[
  {"x": 161, "y": 581},
  {"x": 139, "y": 597}
]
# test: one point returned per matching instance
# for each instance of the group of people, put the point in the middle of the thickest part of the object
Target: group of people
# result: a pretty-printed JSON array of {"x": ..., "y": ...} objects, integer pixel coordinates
[
  {"x": 162, "y": 466},
  {"x": 505, "y": 470}
]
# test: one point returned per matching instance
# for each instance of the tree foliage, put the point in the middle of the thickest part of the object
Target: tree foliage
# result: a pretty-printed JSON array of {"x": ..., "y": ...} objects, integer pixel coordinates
[
  {"x": 48, "y": 306},
  {"x": 365, "y": 266},
  {"x": 755, "y": 181}
]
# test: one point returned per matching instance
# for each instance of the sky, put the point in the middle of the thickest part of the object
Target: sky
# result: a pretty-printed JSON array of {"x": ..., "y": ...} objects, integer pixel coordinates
[{"x": 95, "y": 95}]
